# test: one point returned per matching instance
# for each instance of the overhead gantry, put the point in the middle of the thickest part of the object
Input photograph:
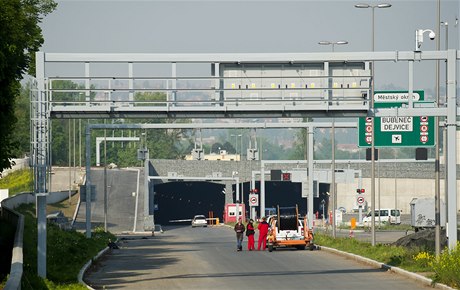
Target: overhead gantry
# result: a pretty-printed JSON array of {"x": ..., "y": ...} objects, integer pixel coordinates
[{"x": 262, "y": 85}]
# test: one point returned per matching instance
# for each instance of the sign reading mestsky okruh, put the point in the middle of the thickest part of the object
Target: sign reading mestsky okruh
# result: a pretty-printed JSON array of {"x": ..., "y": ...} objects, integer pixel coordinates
[{"x": 397, "y": 131}]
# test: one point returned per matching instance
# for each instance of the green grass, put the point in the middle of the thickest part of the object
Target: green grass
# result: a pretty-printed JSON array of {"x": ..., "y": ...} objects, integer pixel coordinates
[
  {"x": 67, "y": 252},
  {"x": 18, "y": 181},
  {"x": 445, "y": 270}
]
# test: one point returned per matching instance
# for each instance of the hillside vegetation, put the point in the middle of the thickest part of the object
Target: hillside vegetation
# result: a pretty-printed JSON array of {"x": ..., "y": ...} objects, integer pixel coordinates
[
  {"x": 18, "y": 181},
  {"x": 67, "y": 251}
]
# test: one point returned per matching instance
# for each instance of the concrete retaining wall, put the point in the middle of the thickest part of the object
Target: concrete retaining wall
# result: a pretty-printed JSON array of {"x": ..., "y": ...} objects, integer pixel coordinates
[
  {"x": 17, "y": 266},
  {"x": 413, "y": 179}
]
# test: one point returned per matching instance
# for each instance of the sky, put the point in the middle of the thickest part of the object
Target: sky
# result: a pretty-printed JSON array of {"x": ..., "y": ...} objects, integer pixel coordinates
[{"x": 252, "y": 26}]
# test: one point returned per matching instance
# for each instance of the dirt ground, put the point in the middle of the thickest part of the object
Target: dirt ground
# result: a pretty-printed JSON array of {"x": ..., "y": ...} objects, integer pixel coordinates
[{"x": 423, "y": 239}]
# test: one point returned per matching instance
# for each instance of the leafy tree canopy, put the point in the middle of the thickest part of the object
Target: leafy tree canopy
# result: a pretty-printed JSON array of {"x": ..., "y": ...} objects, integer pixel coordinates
[{"x": 20, "y": 38}]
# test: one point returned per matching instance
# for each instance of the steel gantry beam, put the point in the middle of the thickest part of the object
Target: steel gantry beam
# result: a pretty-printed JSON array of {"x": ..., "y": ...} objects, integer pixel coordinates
[
  {"x": 309, "y": 125},
  {"x": 239, "y": 85}
]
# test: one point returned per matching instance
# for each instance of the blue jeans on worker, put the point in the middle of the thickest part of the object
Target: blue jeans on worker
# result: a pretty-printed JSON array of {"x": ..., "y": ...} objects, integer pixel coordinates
[{"x": 239, "y": 241}]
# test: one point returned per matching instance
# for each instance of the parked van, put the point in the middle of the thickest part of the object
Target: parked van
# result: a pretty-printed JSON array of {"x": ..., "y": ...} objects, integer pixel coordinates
[{"x": 384, "y": 216}]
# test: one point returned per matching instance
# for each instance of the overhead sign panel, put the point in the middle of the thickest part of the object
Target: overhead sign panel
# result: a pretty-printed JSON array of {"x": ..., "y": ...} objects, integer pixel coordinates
[
  {"x": 397, "y": 131},
  {"x": 395, "y": 97},
  {"x": 396, "y": 124}
]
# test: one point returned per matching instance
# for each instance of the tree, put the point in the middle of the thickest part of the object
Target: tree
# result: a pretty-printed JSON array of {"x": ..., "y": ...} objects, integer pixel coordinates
[
  {"x": 21, "y": 130},
  {"x": 300, "y": 144},
  {"x": 20, "y": 38}
]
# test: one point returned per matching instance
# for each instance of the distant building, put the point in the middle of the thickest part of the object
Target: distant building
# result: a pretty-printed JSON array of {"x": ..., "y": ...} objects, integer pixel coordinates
[
  {"x": 353, "y": 148},
  {"x": 222, "y": 156}
]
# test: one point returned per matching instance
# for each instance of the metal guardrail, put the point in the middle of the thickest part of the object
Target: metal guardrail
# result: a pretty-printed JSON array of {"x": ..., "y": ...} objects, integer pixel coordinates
[{"x": 16, "y": 270}]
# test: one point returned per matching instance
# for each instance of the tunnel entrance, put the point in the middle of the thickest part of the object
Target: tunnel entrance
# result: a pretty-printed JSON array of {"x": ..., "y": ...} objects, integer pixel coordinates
[
  {"x": 182, "y": 200},
  {"x": 287, "y": 194}
]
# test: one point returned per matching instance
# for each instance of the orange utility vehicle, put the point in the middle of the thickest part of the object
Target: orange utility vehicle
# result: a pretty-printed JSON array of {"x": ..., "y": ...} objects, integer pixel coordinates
[{"x": 287, "y": 230}]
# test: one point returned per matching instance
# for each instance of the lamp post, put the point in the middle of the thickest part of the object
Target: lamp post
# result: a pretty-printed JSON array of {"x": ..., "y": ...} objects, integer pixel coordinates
[
  {"x": 236, "y": 143},
  {"x": 381, "y": 5},
  {"x": 237, "y": 167},
  {"x": 333, "y": 191},
  {"x": 333, "y": 43}
]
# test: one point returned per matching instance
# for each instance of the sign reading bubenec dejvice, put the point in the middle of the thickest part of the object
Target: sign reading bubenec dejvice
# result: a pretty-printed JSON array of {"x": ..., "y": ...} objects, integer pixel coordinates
[{"x": 397, "y": 131}]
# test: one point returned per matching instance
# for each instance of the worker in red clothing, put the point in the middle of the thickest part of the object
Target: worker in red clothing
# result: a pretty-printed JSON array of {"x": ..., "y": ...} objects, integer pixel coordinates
[
  {"x": 250, "y": 233},
  {"x": 263, "y": 231}
]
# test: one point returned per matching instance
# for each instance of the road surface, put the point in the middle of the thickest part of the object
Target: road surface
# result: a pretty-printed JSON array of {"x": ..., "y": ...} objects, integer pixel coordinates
[{"x": 206, "y": 258}]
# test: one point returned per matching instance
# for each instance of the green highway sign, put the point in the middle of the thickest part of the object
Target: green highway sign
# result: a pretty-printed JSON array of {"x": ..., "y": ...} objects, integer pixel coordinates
[{"x": 396, "y": 131}]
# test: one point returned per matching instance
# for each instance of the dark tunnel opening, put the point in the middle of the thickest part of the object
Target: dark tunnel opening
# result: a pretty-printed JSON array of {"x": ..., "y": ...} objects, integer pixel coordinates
[{"x": 184, "y": 199}]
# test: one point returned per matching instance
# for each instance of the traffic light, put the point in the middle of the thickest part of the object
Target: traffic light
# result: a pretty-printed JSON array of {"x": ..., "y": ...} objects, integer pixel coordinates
[
  {"x": 421, "y": 154},
  {"x": 286, "y": 176},
  {"x": 360, "y": 190},
  {"x": 368, "y": 154}
]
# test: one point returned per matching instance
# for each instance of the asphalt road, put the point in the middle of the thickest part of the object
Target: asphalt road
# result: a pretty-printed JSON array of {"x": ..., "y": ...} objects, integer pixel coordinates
[{"x": 206, "y": 258}]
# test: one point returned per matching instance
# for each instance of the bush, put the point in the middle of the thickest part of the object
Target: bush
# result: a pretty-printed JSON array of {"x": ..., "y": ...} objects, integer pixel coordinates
[
  {"x": 447, "y": 267},
  {"x": 18, "y": 181},
  {"x": 67, "y": 252}
]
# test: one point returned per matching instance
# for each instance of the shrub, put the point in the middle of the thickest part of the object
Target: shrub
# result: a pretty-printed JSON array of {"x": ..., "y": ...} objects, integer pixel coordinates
[
  {"x": 447, "y": 267},
  {"x": 18, "y": 181},
  {"x": 67, "y": 252}
]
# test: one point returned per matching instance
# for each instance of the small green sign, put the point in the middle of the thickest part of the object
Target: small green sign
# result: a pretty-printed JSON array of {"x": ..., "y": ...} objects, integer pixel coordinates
[{"x": 396, "y": 131}]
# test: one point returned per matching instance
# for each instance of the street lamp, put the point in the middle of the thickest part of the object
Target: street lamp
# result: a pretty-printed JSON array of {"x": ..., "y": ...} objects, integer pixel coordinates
[
  {"x": 381, "y": 5},
  {"x": 237, "y": 165},
  {"x": 333, "y": 191},
  {"x": 333, "y": 43},
  {"x": 446, "y": 25},
  {"x": 437, "y": 183},
  {"x": 236, "y": 143}
]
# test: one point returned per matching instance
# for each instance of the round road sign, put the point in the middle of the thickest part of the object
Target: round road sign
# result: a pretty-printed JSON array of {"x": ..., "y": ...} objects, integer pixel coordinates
[
  {"x": 360, "y": 200},
  {"x": 253, "y": 200}
]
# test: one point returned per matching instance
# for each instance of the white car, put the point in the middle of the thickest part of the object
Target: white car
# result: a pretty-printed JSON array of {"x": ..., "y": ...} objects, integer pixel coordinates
[{"x": 199, "y": 221}]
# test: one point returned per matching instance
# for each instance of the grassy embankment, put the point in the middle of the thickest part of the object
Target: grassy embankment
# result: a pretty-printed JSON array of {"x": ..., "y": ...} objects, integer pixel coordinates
[
  {"x": 18, "y": 181},
  {"x": 67, "y": 251},
  {"x": 445, "y": 269}
]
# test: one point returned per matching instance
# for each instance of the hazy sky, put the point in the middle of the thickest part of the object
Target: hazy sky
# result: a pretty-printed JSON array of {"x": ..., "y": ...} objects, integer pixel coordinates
[{"x": 249, "y": 26}]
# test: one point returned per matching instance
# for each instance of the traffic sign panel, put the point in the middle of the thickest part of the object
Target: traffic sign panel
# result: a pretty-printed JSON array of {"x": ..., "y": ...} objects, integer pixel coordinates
[
  {"x": 360, "y": 200},
  {"x": 396, "y": 131},
  {"x": 253, "y": 200}
]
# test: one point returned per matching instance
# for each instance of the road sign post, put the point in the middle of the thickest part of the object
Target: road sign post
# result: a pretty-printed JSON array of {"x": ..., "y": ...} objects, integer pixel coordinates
[{"x": 253, "y": 202}]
